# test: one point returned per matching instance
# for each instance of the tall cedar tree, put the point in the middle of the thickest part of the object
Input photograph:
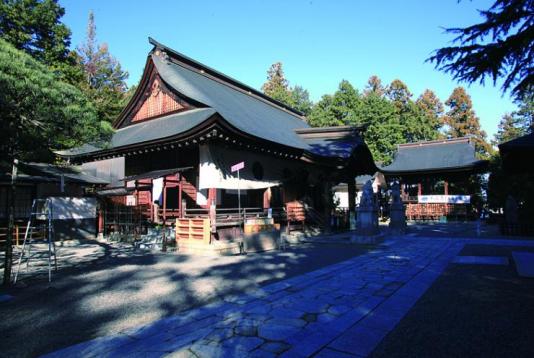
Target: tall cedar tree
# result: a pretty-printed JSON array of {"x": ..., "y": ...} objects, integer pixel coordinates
[
  {"x": 277, "y": 87},
  {"x": 462, "y": 121},
  {"x": 501, "y": 46},
  {"x": 415, "y": 124},
  {"x": 105, "y": 81},
  {"x": 432, "y": 109},
  {"x": 39, "y": 113},
  {"x": 374, "y": 86},
  {"x": 337, "y": 110}
]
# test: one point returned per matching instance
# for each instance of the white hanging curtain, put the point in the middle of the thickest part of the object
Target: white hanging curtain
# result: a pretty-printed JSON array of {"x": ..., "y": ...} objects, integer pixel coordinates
[{"x": 260, "y": 171}]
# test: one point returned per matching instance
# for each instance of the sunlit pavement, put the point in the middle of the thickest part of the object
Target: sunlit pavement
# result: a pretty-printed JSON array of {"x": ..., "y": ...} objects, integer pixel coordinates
[{"x": 345, "y": 308}]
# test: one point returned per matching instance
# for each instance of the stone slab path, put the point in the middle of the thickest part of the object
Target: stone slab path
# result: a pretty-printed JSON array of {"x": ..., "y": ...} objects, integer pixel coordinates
[
  {"x": 344, "y": 309},
  {"x": 481, "y": 260}
]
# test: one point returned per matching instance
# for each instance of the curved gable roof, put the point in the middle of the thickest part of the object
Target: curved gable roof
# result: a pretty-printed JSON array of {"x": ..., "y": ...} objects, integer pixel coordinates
[
  {"x": 244, "y": 111},
  {"x": 434, "y": 156}
]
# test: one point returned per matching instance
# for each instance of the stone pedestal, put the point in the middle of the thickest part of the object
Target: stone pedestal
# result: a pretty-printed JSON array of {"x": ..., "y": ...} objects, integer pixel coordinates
[
  {"x": 397, "y": 219},
  {"x": 367, "y": 231}
]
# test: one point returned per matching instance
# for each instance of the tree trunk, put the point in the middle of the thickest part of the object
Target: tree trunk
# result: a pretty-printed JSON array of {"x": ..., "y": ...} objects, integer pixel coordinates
[{"x": 10, "y": 226}]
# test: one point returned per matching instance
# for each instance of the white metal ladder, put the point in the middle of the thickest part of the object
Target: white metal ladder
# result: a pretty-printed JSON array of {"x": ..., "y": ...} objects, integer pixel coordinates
[{"x": 41, "y": 215}]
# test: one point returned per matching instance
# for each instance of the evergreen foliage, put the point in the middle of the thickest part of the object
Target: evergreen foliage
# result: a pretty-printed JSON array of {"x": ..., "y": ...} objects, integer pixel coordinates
[
  {"x": 462, "y": 121},
  {"x": 432, "y": 109},
  {"x": 104, "y": 80},
  {"x": 34, "y": 27},
  {"x": 501, "y": 46},
  {"x": 277, "y": 87},
  {"x": 40, "y": 113},
  {"x": 389, "y": 113}
]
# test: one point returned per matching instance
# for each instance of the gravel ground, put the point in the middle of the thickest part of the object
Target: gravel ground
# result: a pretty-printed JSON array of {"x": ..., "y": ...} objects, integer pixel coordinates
[
  {"x": 470, "y": 311},
  {"x": 102, "y": 289}
]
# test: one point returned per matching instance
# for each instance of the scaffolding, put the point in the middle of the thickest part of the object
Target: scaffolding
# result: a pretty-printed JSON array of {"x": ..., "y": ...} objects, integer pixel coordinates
[{"x": 39, "y": 231}]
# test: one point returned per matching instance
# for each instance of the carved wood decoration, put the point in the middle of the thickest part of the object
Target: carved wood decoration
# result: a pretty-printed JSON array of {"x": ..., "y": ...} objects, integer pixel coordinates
[{"x": 156, "y": 101}]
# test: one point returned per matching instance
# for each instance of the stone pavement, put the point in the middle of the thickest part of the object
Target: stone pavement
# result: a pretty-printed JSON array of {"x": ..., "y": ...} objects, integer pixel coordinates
[{"x": 344, "y": 309}]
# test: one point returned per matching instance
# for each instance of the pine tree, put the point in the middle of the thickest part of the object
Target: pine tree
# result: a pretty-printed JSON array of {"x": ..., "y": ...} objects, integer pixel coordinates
[
  {"x": 105, "y": 81},
  {"x": 34, "y": 26},
  {"x": 462, "y": 121},
  {"x": 39, "y": 113}
]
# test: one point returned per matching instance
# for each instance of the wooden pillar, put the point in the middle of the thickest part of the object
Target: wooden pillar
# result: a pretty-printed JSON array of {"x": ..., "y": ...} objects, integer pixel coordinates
[
  {"x": 180, "y": 205},
  {"x": 164, "y": 243},
  {"x": 100, "y": 220},
  {"x": 419, "y": 189},
  {"x": 351, "y": 188},
  {"x": 446, "y": 188},
  {"x": 164, "y": 201},
  {"x": 267, "y": 198},
  {"x": 212, "y": 197},
  {"x": 136, "y": 194}
]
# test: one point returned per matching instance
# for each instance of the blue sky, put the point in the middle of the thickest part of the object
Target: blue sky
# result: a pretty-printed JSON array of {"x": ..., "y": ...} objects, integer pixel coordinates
[{"x": 320, "y": 42}]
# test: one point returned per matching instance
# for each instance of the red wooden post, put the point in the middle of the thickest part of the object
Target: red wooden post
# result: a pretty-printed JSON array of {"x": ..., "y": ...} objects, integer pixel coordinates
[
  {"x": 100, "y": 221},
  {"x": 180, "y": 206},
  {"x": 164, "y": 243},
  {"x": 446, "y": 188},
  {"x": 419, "y": 189},
  {"x": 164, "y": 201},
  {"x": 212, "y": 196}
]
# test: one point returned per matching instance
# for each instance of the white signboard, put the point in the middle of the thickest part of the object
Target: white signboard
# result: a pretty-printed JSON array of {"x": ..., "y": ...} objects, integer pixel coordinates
[
  {"x": 444, "y": 199},
  {"x": 64, "y": 208}
]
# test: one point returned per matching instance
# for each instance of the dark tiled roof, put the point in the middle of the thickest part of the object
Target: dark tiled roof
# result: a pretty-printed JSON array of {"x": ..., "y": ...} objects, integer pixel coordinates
[
  {"x": 43, "y": 172},
  {"x": 525, "y": 142},
  {"x": 155, "y": 174},
  {"x": 242, "y": 107},
  {"x": 334, "y": 147},
  {"x": 517, "y": 154},
  {"x": 154, "y": 129},
  {"x": 434, "y": 156},
  {"x": 247, "y": 112}
]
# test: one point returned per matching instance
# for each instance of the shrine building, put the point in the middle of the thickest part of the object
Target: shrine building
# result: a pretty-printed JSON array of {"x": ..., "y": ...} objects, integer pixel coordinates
[
  {"x": 186, "y": 126},
  {"x": 435, "y": 178}
]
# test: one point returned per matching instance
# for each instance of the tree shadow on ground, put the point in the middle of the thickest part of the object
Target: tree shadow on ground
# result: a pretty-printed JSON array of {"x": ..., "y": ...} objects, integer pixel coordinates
[{"x": 116, "y": 290}]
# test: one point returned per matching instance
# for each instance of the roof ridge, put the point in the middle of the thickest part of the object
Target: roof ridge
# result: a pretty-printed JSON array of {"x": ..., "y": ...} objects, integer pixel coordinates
[
  {"x": 435, "y": 142},
  {"x": 224, "y": 79}
]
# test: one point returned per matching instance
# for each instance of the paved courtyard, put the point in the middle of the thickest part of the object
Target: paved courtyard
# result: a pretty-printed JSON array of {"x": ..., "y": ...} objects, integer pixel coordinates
[
  {"x": 309, "y": 301},
  {"x": 342, "y": 309},
  {"x": 102, "y": 289}
]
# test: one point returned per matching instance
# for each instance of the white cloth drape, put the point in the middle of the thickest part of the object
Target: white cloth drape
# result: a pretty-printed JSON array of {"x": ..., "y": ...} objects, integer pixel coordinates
[{"x": 215, "y": 163}]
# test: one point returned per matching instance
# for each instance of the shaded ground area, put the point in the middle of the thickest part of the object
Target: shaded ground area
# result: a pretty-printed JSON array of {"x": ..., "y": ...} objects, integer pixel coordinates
[
  {"x": 471, "y": 311},
  {"x": 112, "y": 288},
  {"x": 469, "y": 229}
]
